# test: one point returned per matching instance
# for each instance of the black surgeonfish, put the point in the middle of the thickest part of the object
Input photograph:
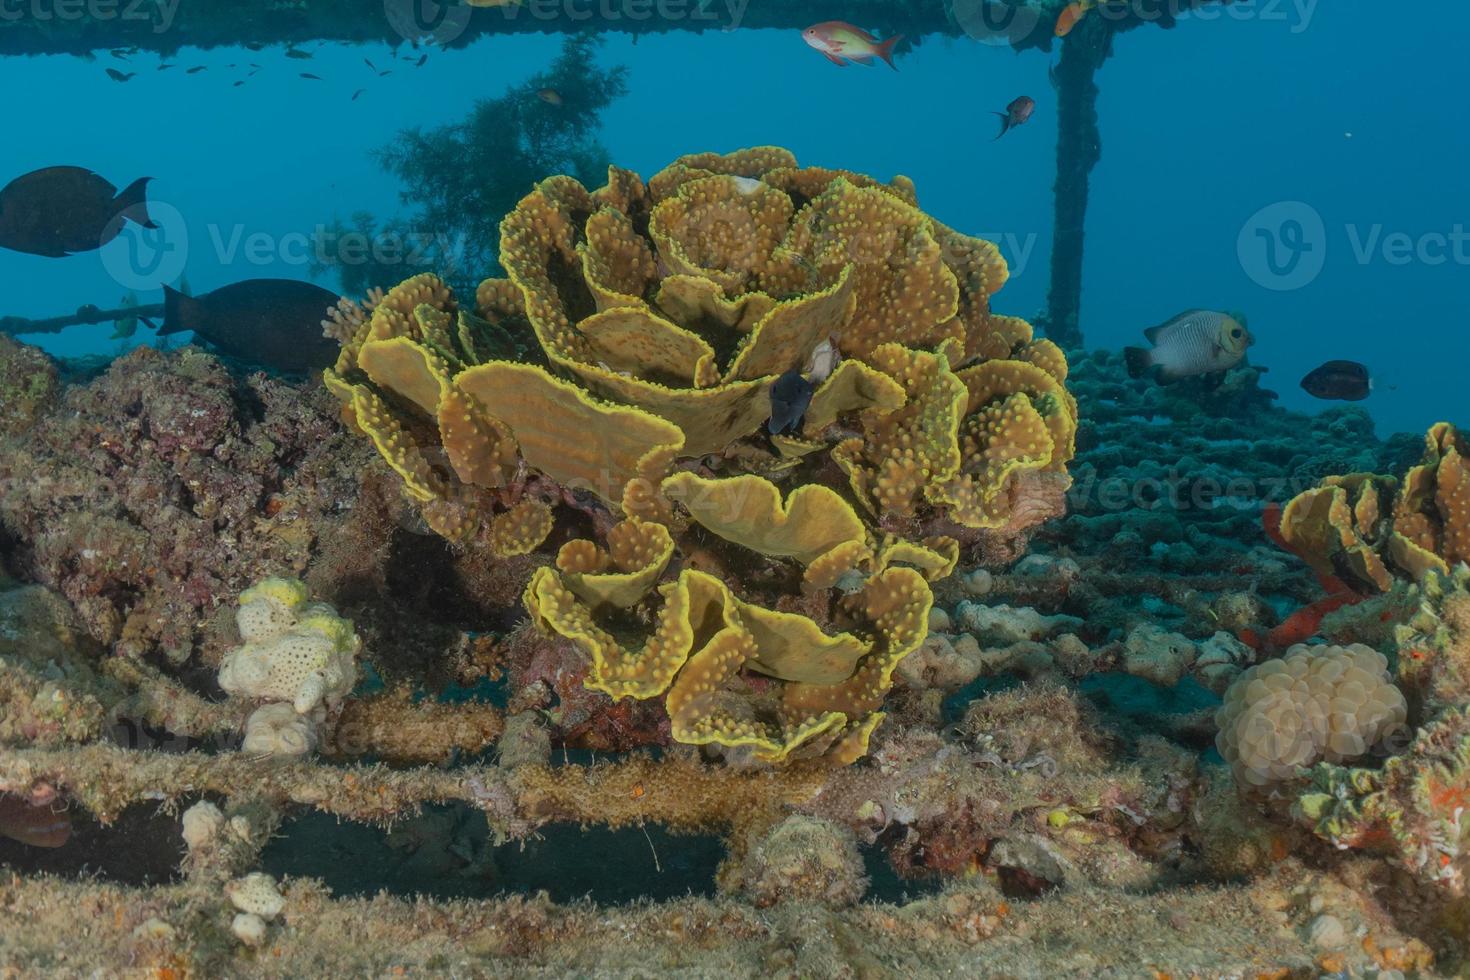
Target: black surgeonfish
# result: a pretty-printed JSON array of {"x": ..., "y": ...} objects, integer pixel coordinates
[
  {"x": 271, "y": 322},
  {"x": 60, "y": 211}
]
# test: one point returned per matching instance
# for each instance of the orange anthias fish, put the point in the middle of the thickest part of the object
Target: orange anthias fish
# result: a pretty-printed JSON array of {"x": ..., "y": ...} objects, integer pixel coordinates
[
  {"x": 1071, "y": 14},
  {"x": 840, "y": 42},
  {"x": 38, "y": 826}
]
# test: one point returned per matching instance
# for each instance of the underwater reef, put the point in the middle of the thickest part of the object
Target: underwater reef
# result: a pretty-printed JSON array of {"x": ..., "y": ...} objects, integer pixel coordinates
[{"x": 577, "y": 662}]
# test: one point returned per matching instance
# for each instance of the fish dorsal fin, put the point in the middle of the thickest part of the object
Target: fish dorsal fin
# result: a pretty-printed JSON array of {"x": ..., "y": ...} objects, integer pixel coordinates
[{"x": 1154, "y": 333}]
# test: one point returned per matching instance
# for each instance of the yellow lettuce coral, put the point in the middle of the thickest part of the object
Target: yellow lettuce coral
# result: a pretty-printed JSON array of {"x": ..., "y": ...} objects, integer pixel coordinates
[
  {"x": 664, "y": 312},
  {"x": 717, "y": 659},
  {"x": 1366, "y": 529}
]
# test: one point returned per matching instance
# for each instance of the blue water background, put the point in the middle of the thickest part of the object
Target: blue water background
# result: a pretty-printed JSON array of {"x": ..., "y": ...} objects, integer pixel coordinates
[{"x": 1350, "y": 108}]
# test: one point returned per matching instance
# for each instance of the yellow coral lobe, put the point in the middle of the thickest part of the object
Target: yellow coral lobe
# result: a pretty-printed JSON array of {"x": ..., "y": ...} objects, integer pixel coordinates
[
  {"x": 538, "y": 248},
  {"x": 721, "y": 228},
  {"x": 709, "y": 418},
  {"x": 752, "y": 162},
  {"x": 811, "y": 182},
  {"x": 520, "y": 530},
  {"x": 709, "y": 703},
  {"x": 616, "y": 261},
  {"x": 395, "y": 314},
  {"x": 997, "y": 442},
  {"x": 564, "y": 433},
  {"x": 786, "y": 336},
  {"x": 623, "y": 192},
  {"x": 902, "y": 289},
  {"x": 481, "y": 449},
  {"x": 637, "y": 552},
  {"x": 905, "y": 451},
  {"x": 699, "y": 303},
  {"x": 1338, "y": 529},
  {"x": 853, "y": 387},
  {"x": 936, "y": 557},
  {"x": 790, "y": 647},
  {"x": 407, "y": 369},
  {"x": 994, "y": 380},
  {"x": 394, "y": 444},
  {"x": 616, "y": 670},
  {"x": 748, "y": 510},
  {"x": 896, "y": 602},
  {"x": 636, "y": 341}
]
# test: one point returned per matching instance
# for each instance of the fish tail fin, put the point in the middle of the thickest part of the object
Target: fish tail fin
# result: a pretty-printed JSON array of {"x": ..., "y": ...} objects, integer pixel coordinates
[
  {"x": 885, "y": 50},
  {"x": 1005, "y": 124},
  {"x": 180, "y": 312},
  {"x": 132, "y": 203},
  {"x": 1139, "y": 361}
]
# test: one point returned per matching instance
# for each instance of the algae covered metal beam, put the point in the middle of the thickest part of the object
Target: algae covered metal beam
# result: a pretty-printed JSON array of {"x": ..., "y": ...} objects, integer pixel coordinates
[
  {"x": 1079, "y": 140},
  {"x": 81, "y": 27},
  {"x": 166, "y": 26},
  {"x": 1079, "y": 147},
  {"x": 17, "y": 326}
]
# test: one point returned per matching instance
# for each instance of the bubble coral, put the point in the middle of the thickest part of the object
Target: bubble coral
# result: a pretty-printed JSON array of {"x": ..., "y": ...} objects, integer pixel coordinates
[{"x": 1314, "y": 704}]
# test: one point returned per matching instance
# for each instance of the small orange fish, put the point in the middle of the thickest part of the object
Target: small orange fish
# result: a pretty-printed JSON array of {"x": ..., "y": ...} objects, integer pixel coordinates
[
  {"x": 1071, "y": 14},
  {"x": 550, "y": 96},
  {"x": 38, "y": 826},
  {"x": 840, "y": 42}
]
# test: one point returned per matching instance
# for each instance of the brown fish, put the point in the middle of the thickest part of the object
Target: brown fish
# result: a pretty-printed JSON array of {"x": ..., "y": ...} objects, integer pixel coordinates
[
  {"x": 60, "y": 211},
  {"x": 1193, "y": 343},
  {"x": 1343, "y": 381},
  {"x": 1016, "y": 114},
  {"x": 272, "y": 322},
  {"x": 38, "y": 826}
]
